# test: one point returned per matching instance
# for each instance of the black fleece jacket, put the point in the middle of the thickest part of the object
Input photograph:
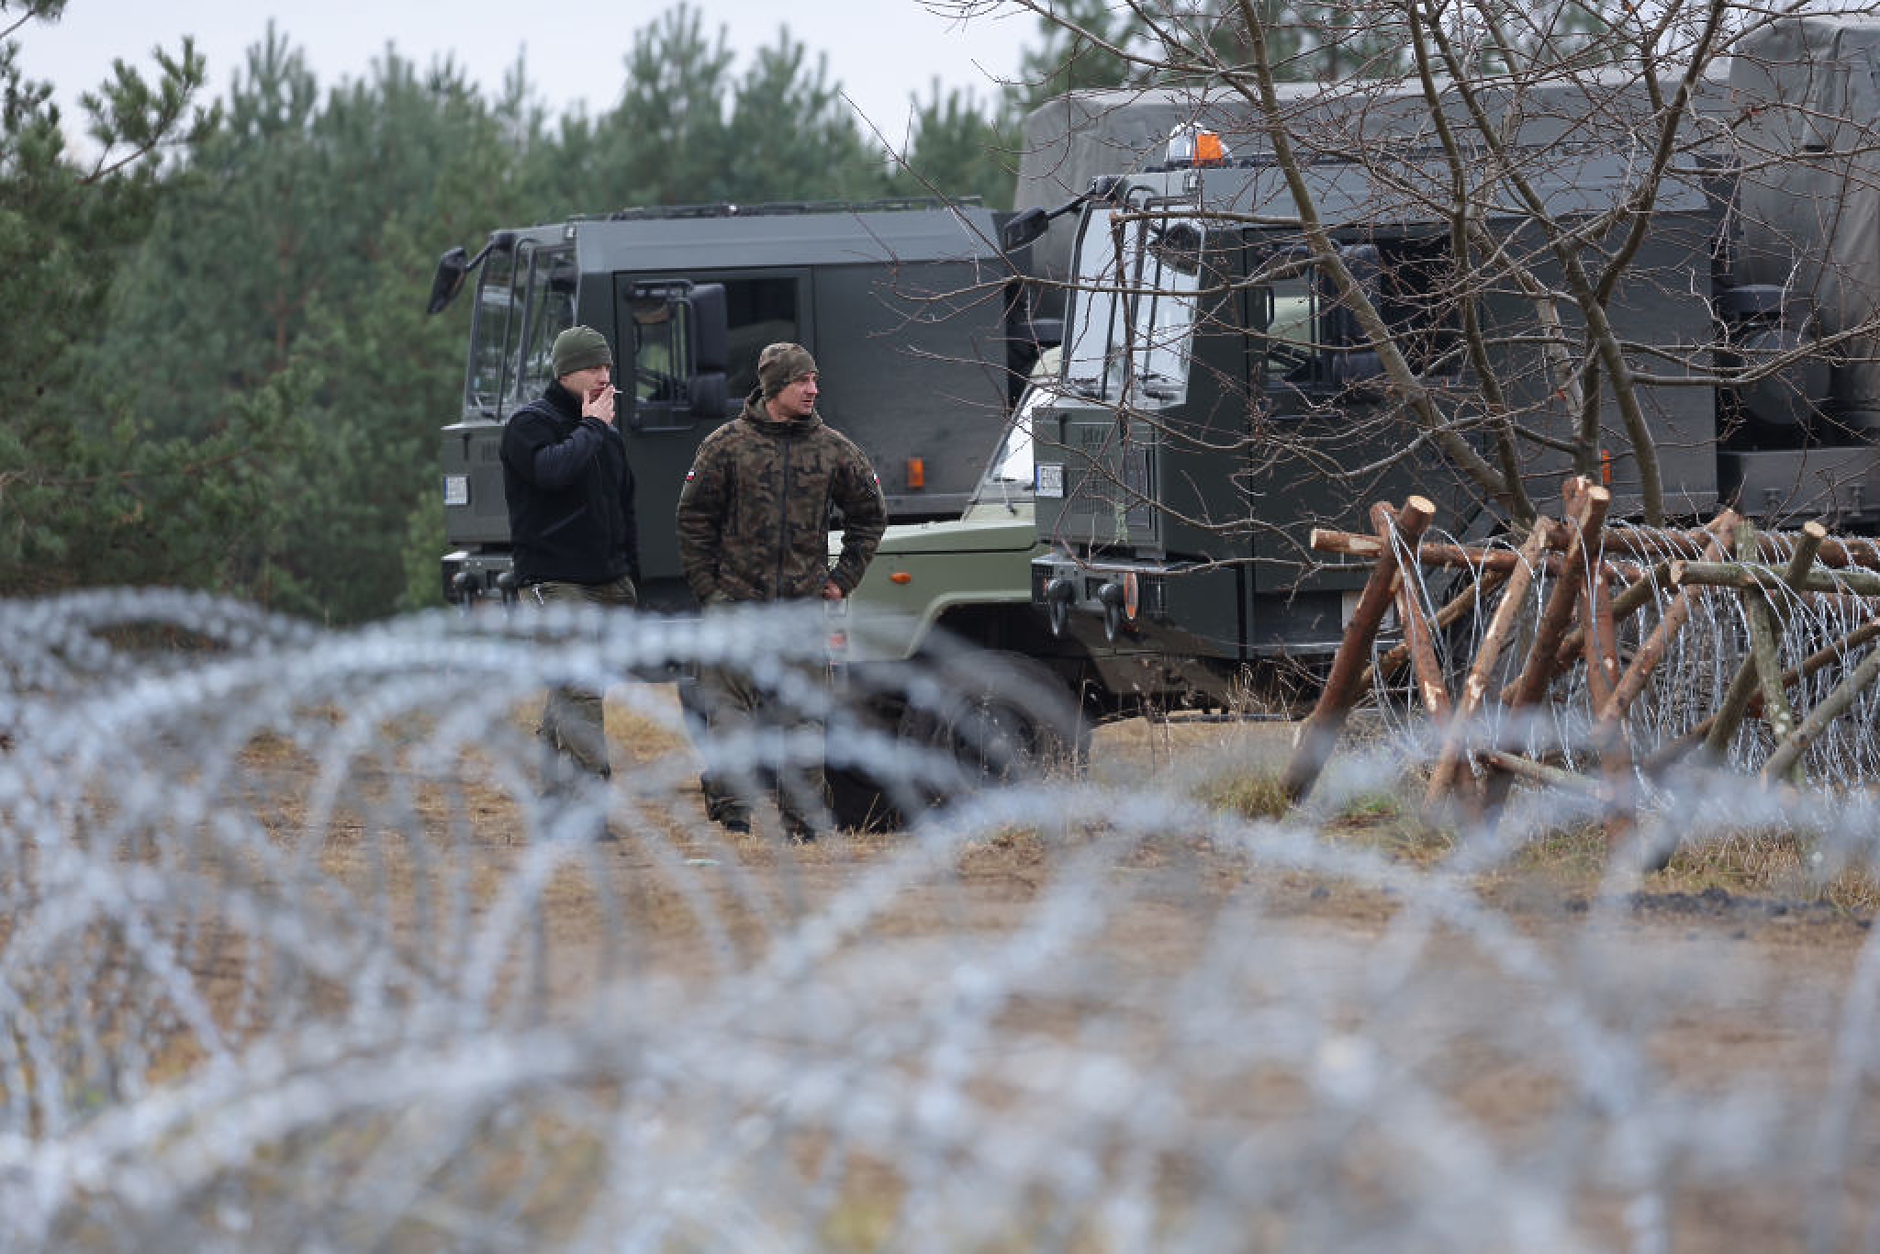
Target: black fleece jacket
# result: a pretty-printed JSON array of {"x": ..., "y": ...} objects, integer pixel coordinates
[{"x": 570, "y": 493}]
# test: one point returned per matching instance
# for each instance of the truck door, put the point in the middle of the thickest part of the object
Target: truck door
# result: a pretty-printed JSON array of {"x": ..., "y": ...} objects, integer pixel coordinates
[
  {"x": 662, "y": 322},
  {"x": 1128, "y": 353},
  {"x": 1333, "y": 443}
]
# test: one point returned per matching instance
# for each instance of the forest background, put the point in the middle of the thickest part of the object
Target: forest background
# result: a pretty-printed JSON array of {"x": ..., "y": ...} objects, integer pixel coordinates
[{"x": 216, "y": 370}]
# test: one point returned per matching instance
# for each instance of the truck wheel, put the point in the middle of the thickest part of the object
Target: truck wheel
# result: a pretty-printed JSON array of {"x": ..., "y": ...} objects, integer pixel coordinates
[
  {"x": 859, "y": 801},
  {"x": 1002, "y": 717},
  {"x": 860, "y": 804}
]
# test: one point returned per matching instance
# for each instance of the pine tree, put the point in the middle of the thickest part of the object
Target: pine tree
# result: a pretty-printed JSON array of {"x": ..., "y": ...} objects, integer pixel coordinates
[{"x": 77, "y": 467}]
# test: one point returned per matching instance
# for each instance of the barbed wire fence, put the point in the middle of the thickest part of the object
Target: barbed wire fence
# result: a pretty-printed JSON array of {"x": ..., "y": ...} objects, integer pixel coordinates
[{"x": 293, "y": 956}]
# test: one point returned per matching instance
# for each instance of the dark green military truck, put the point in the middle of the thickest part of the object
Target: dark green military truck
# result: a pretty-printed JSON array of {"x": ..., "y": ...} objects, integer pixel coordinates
[
  {"x": 1219, "y": 396},
  {"x": 917, "y": 319}
]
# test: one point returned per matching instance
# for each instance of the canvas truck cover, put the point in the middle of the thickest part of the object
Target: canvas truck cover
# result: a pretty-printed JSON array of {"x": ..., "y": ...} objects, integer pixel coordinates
[
  {"x": 1807, "y": 91},
  {"x": 1079, "y": 136}
]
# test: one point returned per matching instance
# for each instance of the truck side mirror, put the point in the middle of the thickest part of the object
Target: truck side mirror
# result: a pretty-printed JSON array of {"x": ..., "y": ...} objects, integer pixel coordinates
[
  {"x": 454, "y": 265},
  {"x": 1027, "y": 225},
  {"x": 1023, "y": 228},
  {"x": 709, "y": 326},
  {"x": 448, "y": 280}
]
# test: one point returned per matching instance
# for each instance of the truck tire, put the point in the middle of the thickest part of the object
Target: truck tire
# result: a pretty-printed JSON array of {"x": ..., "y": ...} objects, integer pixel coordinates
[
  {"x": 857, "y": 799},
  {"x": 1002, "y": 717},
  {"x": 860, "y": 804}
]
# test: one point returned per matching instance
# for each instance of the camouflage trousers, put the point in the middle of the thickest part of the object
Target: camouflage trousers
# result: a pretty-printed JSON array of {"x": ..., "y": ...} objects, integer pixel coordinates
[
  {"x": 734, "y": 709},
  {"x": 573, "y": 728}
]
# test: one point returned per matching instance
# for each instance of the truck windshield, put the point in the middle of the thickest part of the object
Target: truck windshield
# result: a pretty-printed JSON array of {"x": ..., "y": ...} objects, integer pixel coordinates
[
  {"x": 1134, "y": 308},
  {"x": 525, "y": 298},
  {"x": 1009, "y": 474}
]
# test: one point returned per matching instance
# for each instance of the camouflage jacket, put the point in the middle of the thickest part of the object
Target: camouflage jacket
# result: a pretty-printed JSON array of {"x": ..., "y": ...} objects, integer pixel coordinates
[{"x": 754, "y": 511}]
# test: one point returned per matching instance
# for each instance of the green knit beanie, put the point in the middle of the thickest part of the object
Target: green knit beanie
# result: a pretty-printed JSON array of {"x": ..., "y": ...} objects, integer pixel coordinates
[
  {"x": 578, "y": 348},
  {"x": 781, "y": 364}
]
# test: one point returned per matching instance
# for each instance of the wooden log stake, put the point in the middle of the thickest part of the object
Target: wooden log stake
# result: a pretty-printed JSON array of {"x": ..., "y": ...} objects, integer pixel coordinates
[
  {"x": 1609, "y": 741},
  {"x": 1319, "y": 734},
  {"x": 1432, "y": 688},
  {"x": 1746, "y": 575},
  {"x": 1833, "y": 552},
  {"x": 1475, "y": 685},
  {"x": 1788, "y": 755},
  {"x": 1539, "y": 772},
  {"x": 1643, "y": 590},
  {"x": 1456, "y": 608},
  {"x": 1602, "y": 682},
  {"x": 1473, "y": 557},
  {"x": 1586, "y": 512},
  {"x": 1825, "y": 656},
  {"x": 1601, "y": 640},
  {"x": 1676, "y": 614},
  {"x": 1744, "y": 684}
]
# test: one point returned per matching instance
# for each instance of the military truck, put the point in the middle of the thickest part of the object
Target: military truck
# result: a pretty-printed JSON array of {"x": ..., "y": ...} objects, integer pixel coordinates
[
  {"x": 1219, "y": 396},
  {"x": 916, "y": 316}
]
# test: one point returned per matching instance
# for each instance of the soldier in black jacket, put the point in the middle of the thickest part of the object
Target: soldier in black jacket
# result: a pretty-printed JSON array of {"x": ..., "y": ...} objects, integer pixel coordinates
[{"x": 570, "y": 496}]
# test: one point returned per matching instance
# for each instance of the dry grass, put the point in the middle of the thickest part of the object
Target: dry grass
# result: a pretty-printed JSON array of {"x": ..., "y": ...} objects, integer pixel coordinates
[{"x": 1247, "y": 762}]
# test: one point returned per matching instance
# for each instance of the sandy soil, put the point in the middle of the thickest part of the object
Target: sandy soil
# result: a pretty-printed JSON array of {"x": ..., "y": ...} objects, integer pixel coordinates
[{"x": 1725, "y": 989}]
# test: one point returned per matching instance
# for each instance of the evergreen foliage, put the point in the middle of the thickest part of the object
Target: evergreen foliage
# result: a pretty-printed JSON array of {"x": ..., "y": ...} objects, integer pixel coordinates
[{"x": 216, "y": 369}]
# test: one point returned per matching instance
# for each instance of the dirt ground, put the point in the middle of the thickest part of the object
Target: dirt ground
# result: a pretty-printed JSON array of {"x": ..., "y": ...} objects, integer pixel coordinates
[{"x": 1723, "y": 991}]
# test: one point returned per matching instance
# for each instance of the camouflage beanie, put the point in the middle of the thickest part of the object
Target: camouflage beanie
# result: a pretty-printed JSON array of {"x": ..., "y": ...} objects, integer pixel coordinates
[
  {"x": 780, "y": 364},
  {"x": 578, "y": 348}
]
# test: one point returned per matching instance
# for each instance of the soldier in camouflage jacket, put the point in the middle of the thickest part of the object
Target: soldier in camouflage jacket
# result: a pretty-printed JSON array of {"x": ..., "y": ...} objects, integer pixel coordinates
[
  {"x": 754, "y": 512},
  {"x": 753, "y": 524}
]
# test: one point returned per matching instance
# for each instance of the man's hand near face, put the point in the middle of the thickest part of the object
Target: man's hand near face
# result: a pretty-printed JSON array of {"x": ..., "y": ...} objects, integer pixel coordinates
[{"x": 595, "y": 388}]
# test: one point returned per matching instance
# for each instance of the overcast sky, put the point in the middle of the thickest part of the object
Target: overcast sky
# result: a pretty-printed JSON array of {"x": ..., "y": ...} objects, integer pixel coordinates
[{"x": 881, "y": 51}]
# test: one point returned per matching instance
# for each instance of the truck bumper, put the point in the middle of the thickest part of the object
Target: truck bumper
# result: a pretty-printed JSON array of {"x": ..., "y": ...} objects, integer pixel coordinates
[
  {"x": 471, "y": 576},
  {"x": 1182, "y": 630}
]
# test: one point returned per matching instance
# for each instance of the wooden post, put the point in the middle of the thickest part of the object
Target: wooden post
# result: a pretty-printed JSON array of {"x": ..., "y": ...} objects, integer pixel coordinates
[
  {"x": 1788, "y": 754},
  {"x": 1744, "y": 684},
  {"x": 1473, "y": 557},
  {"x": 1602, "y": 682},
  {"x": 1485, "y": 582},
  {"x": 1746, "y": 575},
  {"x": 1652, "y": 651},
  {"x": 1586, "y": 504},
  {"x": 1814, "y": 662},
  {"x": 1540, "y": 773},
  {"x": 1587, "y": 514},
  {"x": 1615, "y": 754},
  {"x": 1431, "y": 686},
  {"x": 1319, "y": 734},
  {"x": 1834, "y": 552},
  {"x": 1602, "y": 640},
  {"x": 1643, "y": 589},
  {"x": 1475, "y": 685}
]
